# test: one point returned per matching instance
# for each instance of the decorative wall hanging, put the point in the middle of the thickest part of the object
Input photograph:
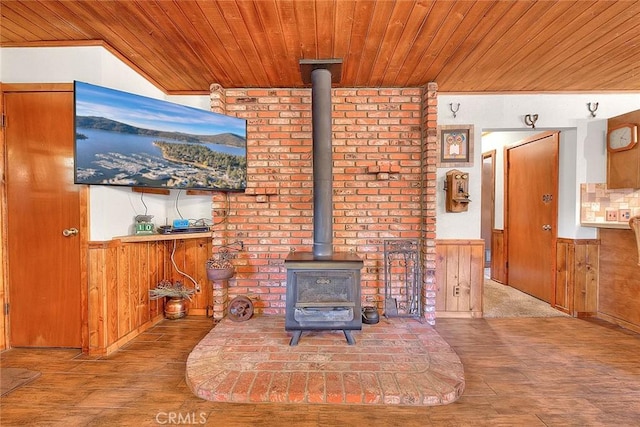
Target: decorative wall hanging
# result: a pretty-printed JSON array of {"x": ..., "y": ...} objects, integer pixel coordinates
[
  {"x": 455, "y": 146},
  {"x": 592, "y": 108},
  {"x": 455, "y": 109},
  {"x": 530, "y": 120}
]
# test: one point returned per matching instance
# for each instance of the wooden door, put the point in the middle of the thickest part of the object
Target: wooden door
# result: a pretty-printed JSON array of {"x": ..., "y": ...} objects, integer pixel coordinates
[
  {"x": 487, "y": 214},
  {"x": 42, "y": 201},
  {"x": 532, "y": 188}
]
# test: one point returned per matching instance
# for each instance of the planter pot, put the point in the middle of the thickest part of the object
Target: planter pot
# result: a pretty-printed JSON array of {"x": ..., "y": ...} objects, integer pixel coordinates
[
  {"x": 175, "y": 308},
  {"x": 220, "y": 273}
]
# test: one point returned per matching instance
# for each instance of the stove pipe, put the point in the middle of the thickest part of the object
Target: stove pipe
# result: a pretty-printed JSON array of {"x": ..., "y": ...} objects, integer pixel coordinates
[
  {"x": 322, "y": 163},
  {"x": 320, "y": 74}
]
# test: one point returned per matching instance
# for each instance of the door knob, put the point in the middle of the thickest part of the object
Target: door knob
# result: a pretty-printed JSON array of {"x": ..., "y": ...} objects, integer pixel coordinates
[
  {"x": 546, "y": 227},
  {"x": 69, "y": 232}
]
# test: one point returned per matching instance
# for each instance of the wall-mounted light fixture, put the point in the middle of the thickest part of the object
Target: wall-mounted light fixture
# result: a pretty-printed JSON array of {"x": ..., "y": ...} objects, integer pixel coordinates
[
  {"x": 455, "y": 109},
  {"x": 592, "y": 109},
  {"x": 530, "y": 120}
]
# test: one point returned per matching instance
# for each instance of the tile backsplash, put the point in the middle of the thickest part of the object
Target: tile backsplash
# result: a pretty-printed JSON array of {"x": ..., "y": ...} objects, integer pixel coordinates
[{"x": 599, "y": 204}]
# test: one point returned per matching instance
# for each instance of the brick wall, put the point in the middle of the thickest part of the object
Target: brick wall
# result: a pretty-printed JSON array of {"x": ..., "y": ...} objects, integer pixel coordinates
[{"x": 384, "y": 183}]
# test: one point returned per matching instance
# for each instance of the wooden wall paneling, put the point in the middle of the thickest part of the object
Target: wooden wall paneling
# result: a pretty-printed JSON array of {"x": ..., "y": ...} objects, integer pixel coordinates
[
  {"x": 619, "y": 278},
  {"x": 498, "y": 257},
  {"x": 459, "y": 278},
  {"x": 576, "y": 289},
  {"x": 97, "y": 283},
  {"x": 451, "y": 279},
  {"x": 156, "y": 256},
  {"x": 122, "y": 286},
  {"x": 190, "y": 258},
  {"x": 134, "y": 259},
  {"x": 113, "y": 278},
  {"x": 441, "y": 276},
  {"x": 564, "y": 276},
  {"x": 476, "y": 284},
  {"x": 198, "y": 256},
  {"x": 464, "y": 278},
  {"x": 586, "y": 282},
  {"x": 146, "y": 282}
]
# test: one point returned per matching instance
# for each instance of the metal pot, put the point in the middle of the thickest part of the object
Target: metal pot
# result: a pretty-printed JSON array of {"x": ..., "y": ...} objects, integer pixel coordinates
[{"x": 370, "y": 315}]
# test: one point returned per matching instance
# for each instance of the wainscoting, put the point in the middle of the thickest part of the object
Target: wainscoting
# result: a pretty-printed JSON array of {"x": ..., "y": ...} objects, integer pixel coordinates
[
  {"x": 459, "y": 278},
  {"x": 120, "y": 275},
  {"x": 498, "y": 257},
  {"x": 577, "y": 265},
  {"x": 618, "y": 300}
]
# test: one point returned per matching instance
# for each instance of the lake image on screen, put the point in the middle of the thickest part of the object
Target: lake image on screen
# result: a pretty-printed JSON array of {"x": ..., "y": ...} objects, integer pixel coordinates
[{"x": 130, "y": 140}]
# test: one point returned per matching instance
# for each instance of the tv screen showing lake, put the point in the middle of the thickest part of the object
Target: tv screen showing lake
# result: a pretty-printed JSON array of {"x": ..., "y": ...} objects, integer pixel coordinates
[{"x": 144, "y": 142}]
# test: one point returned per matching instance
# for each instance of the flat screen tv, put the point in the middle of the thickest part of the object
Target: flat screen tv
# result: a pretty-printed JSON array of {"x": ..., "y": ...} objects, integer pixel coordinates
[{"x": 131, "y": 140}]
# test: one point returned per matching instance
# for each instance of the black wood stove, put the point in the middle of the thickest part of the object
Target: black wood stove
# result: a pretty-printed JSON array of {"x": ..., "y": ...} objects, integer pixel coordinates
[
  {"x": 323, "y": 294},
  {"x": 323, "y": 287}
]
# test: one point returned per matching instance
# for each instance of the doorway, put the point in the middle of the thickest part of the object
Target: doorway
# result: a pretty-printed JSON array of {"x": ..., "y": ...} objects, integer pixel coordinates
[
  {"x": 488, "y": 195},
  {"x": 43, "y": 218}
]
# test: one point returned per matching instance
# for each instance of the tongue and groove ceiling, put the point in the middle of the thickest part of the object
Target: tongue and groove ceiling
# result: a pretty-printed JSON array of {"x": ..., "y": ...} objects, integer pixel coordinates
[{"x": 464, "y": 46}]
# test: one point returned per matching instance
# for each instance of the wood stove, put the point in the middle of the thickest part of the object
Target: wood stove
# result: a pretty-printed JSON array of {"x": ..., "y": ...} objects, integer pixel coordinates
[
  {"x": 323, "y": 294},
  {"x": 323, "y": 287}
]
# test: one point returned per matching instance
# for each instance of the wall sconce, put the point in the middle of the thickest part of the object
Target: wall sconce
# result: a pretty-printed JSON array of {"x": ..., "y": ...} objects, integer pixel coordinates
[
  {"x": 455, "y": 109},
  {"x": 530, "y": 120},
  {"x": 593, "y": 109}
]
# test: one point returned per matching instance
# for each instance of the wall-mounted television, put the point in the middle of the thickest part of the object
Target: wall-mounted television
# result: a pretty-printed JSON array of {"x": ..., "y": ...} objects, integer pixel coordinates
[{"x": 125, "y": 139}]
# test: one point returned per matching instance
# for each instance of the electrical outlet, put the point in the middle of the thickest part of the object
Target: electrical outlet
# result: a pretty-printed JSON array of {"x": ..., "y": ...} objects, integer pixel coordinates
[
  {"x": 612, "y": 215},
  {"x": 624, "y": 215}
]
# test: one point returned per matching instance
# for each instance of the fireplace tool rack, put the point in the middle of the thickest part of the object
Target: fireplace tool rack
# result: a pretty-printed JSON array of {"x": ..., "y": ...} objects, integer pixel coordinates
[{"x": 402, "y": 284}]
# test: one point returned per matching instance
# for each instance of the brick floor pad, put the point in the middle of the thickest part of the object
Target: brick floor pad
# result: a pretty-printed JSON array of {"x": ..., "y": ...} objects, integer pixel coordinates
[{"x": 394, "y": 362}]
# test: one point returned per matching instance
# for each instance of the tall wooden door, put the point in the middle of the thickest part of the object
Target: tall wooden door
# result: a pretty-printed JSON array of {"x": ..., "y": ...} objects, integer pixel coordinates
[
  {"x": 532, "y": 212},
  {"x": 42, "y": 202}
]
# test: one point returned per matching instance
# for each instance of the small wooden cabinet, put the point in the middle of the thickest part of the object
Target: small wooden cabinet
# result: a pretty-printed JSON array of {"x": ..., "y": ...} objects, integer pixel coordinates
[
  {"x": 576, "y": 289},
  {"x": 623, "y": 167},
  {"x": 459, "y": 278}
]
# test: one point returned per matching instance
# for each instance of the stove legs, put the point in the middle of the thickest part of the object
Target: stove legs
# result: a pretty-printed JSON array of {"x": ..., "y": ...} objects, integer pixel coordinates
[
  {"x": 296, "y": 337},
  {"x": 349, "y": 337}
]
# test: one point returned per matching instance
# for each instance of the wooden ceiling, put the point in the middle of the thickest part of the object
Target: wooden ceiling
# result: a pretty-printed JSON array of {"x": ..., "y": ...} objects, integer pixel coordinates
[{"x": 464, "y": 46}]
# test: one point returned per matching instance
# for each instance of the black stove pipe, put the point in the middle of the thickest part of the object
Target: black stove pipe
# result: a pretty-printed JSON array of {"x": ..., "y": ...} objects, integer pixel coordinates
[{"x": 322, "y": 163}]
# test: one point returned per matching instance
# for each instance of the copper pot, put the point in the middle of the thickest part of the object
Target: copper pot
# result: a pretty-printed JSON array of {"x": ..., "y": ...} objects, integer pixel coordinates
[{"x": 175, "y": 308}]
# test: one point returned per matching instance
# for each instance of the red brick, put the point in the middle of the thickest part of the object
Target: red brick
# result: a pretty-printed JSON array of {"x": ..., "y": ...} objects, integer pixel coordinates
[
  {"x": 316, "y": 387},
  {"x": 278, "y": 392},
  {"x": 260, "y": 388},
  {"x": 334, "y": 387}
]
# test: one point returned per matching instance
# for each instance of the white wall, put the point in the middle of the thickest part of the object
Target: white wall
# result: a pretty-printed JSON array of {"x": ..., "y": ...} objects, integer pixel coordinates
[
  {"x": 582, "y": 153},
  {"x": 112, "y": 209}
]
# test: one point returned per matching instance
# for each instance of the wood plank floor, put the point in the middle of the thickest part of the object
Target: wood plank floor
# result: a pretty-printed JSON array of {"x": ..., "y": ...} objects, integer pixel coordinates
[{"x": 519, "y": 372}]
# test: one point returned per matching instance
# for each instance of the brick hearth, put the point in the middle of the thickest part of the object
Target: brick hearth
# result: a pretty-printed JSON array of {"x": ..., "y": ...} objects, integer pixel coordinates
[{"x": 395, "y": 362}]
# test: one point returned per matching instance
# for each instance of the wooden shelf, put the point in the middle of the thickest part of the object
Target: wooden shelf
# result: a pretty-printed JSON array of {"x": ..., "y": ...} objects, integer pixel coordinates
[{"x": 158, "y": 237}]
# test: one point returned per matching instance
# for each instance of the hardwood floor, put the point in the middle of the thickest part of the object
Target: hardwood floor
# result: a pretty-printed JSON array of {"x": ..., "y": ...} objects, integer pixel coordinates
[{"x": 519, "y": 372}]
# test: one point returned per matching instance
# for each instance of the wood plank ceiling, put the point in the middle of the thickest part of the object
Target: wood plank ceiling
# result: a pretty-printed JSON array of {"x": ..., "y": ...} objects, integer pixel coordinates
[{"x": 464, "y": 46}]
